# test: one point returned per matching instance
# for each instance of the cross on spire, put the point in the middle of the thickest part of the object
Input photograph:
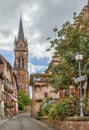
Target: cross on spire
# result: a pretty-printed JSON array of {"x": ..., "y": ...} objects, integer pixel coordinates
[{"x": 20, "y": 33}]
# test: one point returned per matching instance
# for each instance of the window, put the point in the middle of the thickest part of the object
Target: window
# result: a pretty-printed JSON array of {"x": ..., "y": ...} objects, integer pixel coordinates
[
  {"x": 66, "y": 93},
  {"x": 18, "y": 62},
  {"x": 23, "y": 63},
  {"x": 46, "y": 95},
  {"x": 21, "y": 87}
]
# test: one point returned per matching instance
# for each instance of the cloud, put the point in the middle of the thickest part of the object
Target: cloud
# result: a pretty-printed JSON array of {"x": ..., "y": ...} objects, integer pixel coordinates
[
  {"x": 27, "y": 18},
  {"x": 34, "y": 8},
  {"x": 36, "y": 69},
  {"x": 39, "y": 19},
  {"x": 40, "y": 50},
  {"x": 36, "y": 35}
]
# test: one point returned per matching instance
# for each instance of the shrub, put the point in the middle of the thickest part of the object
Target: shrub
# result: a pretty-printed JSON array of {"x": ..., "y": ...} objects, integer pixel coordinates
[
  {"x": 46, "y": 110},
  {"x": 63, "y": 108},
  {"x": 59, "y": 110}
]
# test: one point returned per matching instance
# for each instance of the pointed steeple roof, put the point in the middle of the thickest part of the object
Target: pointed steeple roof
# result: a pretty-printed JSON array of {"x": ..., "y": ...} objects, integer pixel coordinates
[
  {"x": 88, "y": 2},
  {"x": 21, "y": 32}
]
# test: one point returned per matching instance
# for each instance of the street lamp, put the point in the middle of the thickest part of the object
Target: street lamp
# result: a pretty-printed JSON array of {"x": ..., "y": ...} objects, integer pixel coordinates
[{"x": 79, "y": 58}]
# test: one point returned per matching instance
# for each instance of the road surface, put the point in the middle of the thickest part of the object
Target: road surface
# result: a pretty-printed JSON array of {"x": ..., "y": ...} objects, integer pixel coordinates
[{"x": 24, "y": 122}]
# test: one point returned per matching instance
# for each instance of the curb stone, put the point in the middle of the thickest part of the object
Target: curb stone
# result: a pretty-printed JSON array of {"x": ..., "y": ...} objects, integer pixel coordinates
[
  {"x": 3, "y": 121},
  {"x": 49, "y": 127}
]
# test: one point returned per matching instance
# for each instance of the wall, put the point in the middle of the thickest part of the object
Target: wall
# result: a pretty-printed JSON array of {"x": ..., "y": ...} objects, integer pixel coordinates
[
  {"x": 75, "y": 123},
  {"x": 38, "y": 95}
]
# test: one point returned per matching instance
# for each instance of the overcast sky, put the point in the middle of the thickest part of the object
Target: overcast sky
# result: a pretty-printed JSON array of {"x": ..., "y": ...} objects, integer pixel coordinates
[{"x": 39, "y": 19}]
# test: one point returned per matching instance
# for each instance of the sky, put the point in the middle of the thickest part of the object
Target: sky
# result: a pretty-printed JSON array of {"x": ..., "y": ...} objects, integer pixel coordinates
[{"x": 39, "y": 18}]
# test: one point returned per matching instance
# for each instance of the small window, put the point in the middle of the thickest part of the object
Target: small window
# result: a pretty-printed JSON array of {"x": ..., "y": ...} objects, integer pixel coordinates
[
  {"x": 23, "y": 63},
  {"x": 46, "y": 95},
  {"x": 18, "y": 62},
  {"x": 21, "y": 87},
  {"x": 65, "y": 93}
]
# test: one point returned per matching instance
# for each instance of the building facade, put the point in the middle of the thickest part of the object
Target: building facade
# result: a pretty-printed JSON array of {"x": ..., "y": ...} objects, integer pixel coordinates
[
  {"x": 21, "y": 59},
  {"x": 84, "y": 14},
  {"x": 8, "y": 90},
  {"x": 41, "y": 91}
]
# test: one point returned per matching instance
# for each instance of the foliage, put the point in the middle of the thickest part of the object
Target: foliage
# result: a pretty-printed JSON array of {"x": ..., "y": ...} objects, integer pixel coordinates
[
  {"x": 62, "y": 108},
  {"x": 23, "y": 100},
  {"x": 45, "y": 107},
  {"x": 5, "y": 87},
  {"x": 46, "y": 110},
  {"x": 65, "y": 107},
  {"x": 8, "y": 104},
  {"x": 31, "y": 79},
  {"x": 86, "y": 106},
  {"x": 70, "y": 41},
  {"x": 8, "y": 89}
]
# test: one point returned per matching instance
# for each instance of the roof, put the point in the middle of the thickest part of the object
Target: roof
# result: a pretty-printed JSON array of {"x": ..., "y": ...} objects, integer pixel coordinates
[
  {"x": 3, "y": 61},
  {"x": 21, "y": 32},
  {"x": 1, "y": 76}
]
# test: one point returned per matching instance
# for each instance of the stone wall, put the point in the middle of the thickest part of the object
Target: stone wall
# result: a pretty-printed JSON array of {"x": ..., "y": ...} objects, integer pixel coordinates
[
  {"x": 41, "y": 92},
  {"x": 75, "y": 123}
]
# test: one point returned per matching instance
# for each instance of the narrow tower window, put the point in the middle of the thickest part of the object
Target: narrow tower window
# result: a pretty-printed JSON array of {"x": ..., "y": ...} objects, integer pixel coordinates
[
  {"x": 23, "y": 63},
  {"x": 18, "y": 62}
]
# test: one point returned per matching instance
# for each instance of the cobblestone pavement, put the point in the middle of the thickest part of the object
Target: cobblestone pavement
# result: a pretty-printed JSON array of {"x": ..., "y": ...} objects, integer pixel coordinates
[{"x": 24, "y": 122}]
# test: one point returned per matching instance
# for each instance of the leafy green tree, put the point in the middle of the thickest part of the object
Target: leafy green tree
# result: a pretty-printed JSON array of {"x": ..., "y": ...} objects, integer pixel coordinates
[
  {"x": 70, "y": 41},
  {"x": 23, "y": 100}
]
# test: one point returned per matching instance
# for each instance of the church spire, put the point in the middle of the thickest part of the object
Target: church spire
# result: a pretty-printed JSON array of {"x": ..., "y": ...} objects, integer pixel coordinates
[
  {"x": 88, "y": 2},
  {"x": 20, "y": 33}
]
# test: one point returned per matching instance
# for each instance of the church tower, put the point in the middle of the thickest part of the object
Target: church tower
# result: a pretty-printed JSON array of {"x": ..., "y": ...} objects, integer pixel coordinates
[{"x": 21, "y": 58}]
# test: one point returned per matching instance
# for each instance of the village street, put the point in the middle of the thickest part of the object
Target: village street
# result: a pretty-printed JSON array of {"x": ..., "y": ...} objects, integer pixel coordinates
[{"x": 24, "y": 122}]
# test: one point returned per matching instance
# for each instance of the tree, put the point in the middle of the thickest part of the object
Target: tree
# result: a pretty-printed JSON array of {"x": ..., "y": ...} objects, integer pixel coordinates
[
  {"x": 24, "y": 100},
  {"x": 70, "y": 41}
]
